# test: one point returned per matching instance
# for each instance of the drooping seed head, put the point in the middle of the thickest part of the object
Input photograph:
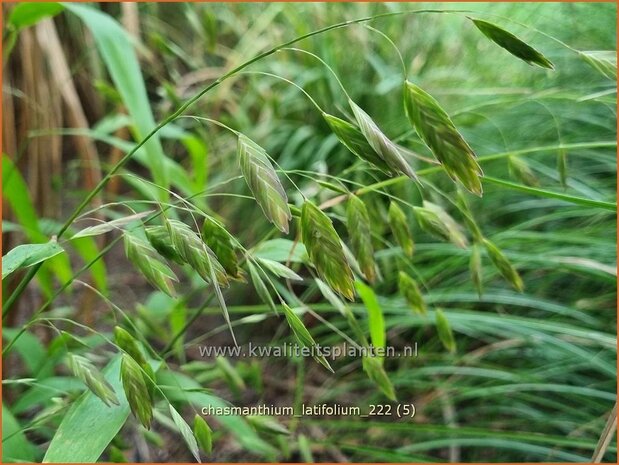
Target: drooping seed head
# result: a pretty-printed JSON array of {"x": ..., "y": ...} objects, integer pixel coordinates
[
  {"x": 218, "y": 240},
  {"x": 438, "y": 132},
  {"x": 358, "y": 225},
  {"x": 444, "y": 331},
  {"x": 399, "y": 227},
  {"x": 263, "y": 182},
  {"x": 145, "y": 258},
  {"x": 434, "y": 220},
  {"x": 382, "y": 145},
  {"x": 350, "y": 136},
  {"x": 136, "y": 390},
  {"x": 84, "y": 370},
  {"x": 325, "y": 250},
  {"x": 411, "y": 293},
  {"x": 503, "y": 265},
  {"x": 512, "y": 44}
]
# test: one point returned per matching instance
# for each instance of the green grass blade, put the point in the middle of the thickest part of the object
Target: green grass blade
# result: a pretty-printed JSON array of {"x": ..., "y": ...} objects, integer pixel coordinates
[
  {"x": 121, "y": 61},
  {"x": 553, "y": 195}
]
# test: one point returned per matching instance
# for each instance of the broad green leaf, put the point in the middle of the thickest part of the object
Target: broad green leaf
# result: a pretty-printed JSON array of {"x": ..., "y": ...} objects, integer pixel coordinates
[
  {"x": 376, "y": 320},
  {"x": 15, "y": 445},
  {"x": 281, "y": 250},
  {"x": 325, "y": 250},
  {"x": 360, "y": 233},
  {"x": 512, "y": 44},
  {"x": 89, "y": 425},
  {"x": 16, "y": 192},
  {"x": 203, "y": 434},
  {"x": 263, "y": 182},
  {"x": 29, "y": 347},
  {"x": 303, "y": 335},
  {"x": 121, "y": 61},
  {"x": 230, "y": 373},
  {"x": 87, "y": 248},
  {"x": 45, "y": 389},
  {"x": 438, "y": 132},
  {"x": 305, "y": 449},
  {"x": 27, "y": 255},
  {"x": 186, "y": 432},
  {"x": 29, "y": 13}
]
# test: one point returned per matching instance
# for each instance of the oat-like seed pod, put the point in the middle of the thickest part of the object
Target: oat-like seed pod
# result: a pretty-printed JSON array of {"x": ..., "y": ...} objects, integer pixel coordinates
[
  {"x": 376, "y": 372},
  {"x": 303, "y": 335},
  {"x": 521, "y": 171},
  {"x": 381, "y": 144},
  {"x": 195, "y": 252},
  {"x": 84, "y": 370},
  {"x": 218, "y": 240},
  {"x": 438, "y": 132},
  {"x": 399, "y": 227},
  {"x": 445, "y": 333},
  {"x": 144, "y": 257},
  {"x": 434, "y": 220},
  {"x": 325, "y": 250},
  {"x": 350, "y": 136},
  {"x": 128, "y": 344},
  {"x": 504, "y": 266},
  {"x": 411, "y": 293},
  {"x": 263, "y": 182},
  {"x": 476, "y": 269},
  {"x": 358, "y": 224},
  {"x": 159, "y": 238},
  {"x": 136, "y": 390}
]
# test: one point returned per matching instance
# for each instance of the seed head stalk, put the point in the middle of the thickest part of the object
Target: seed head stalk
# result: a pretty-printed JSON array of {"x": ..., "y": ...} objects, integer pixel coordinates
[{"x": 123, "y": 161}]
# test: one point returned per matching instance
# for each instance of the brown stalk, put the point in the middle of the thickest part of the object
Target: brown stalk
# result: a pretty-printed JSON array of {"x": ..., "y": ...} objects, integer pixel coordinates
[{"x": 76, "y": 118}]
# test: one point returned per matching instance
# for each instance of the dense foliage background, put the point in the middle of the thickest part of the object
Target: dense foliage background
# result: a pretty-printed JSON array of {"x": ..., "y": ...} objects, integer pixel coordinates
[{"x": 533, "y": 377}]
